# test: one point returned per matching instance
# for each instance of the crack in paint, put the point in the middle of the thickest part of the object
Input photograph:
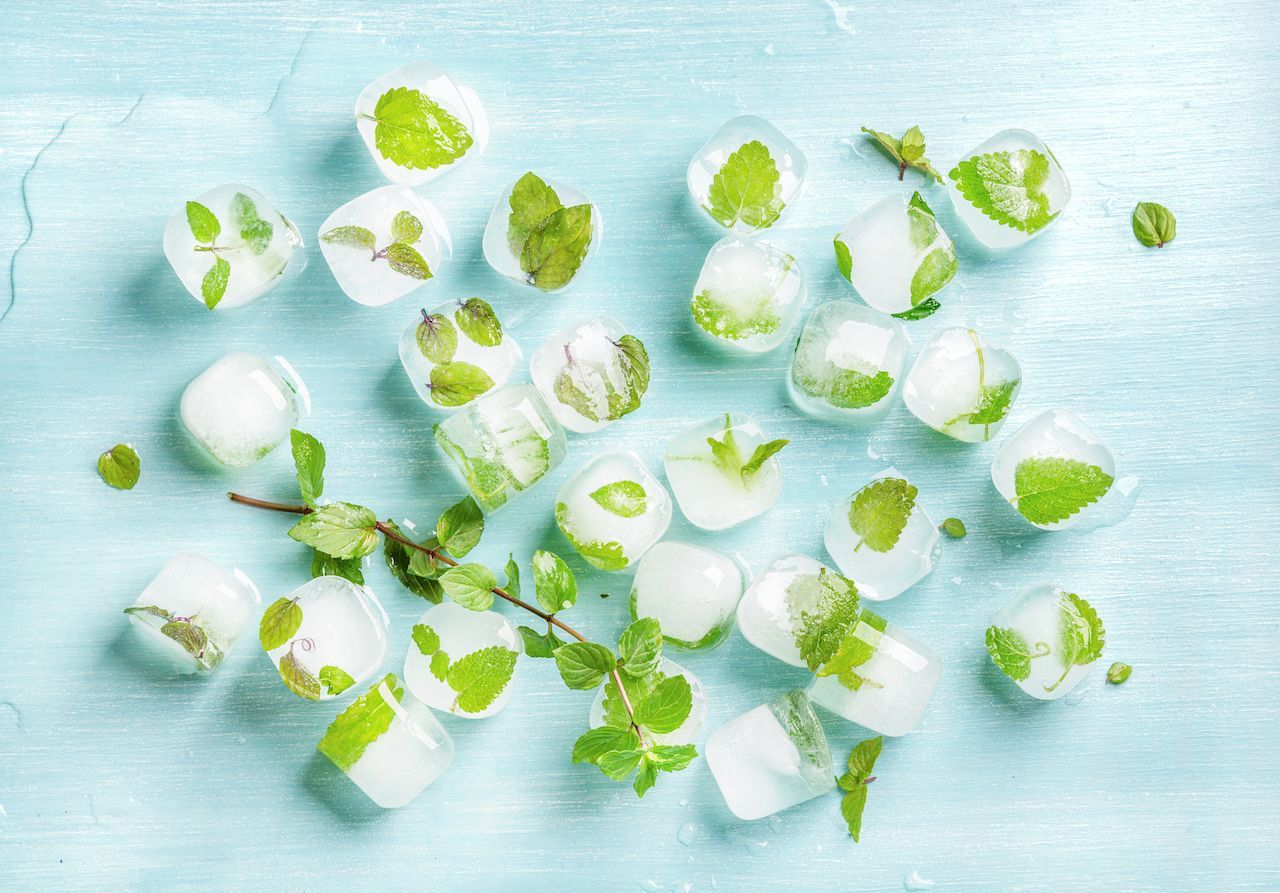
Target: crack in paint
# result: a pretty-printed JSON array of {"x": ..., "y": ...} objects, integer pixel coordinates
[{"x": 293, "y": 66}]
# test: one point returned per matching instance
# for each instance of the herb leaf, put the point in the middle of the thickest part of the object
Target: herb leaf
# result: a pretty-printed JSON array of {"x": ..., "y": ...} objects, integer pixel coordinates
[
  {"x": 340, "y": 529},
  {"x": 879, "y": 513},
  {"x": 214, "y": 285},
  {"x": 862, "y": 759},
  {"x": 954, "y": 528},
  {"x": 539, "y": 645},
  {"x": 746, "y": 188},
  {"x": 1050, "y": 489},
  {"x": 401, "y": 562},
  {"x": 460, "y": 527},
  {"x": 583, "y": 665},
  {"x": 820, "y": 632},
  {"x": 1009, "y": 652},
  {"x": 205, "y": 227},
  {"x": 353, "y": 236},
  {"x": 641, "y": 647},
  {"x": 476, "y": 319},
  {"x": 406, "y": 228},
  {"x": 323, "y": 565},
  {"x": 590, "y": 747},
  {"x": 120, "y": 467},
  {"x": 426, "y": 638},
  {"x": 626, "y": 499},
  {"x": 255, "y": 231},
  {"x": 479, "y": 677},
  {"x": 335, "y": 679},
  {"x": 920, "y": 311},
  {"x": 532, "y": 201},
  {"x": 844, "y": 259},
  {"x": 760, "y": 455},
  {"x": 414, "y": 131},
  {"x": 297, "y": 678},
  {"x": 607, "y": 556},
  {"x": 553, "y": 582},
  {"x": 556, "y": 247},
  {"x": 1008, "y": 187},
  {"x": 1118, "y": 673},
  {"x": 406, "y": 261},
  {"x": 1154, "y": 225},
  {"x": 308, "y": 459},
  {"x": 437, "y": 338},
  {"x": 470, "y": 585},
  {"x": 457, "y": 383},
  {"x": 666, "y": 708},
  {"x": 907, "y": 152},
  {"x": 936, "y": 270},
  {"x": 851, "y": 389},
  {"x": 721, "y": 320},
  {"x": 279, "y": 622},
  {"x": 362, "y": 723}
]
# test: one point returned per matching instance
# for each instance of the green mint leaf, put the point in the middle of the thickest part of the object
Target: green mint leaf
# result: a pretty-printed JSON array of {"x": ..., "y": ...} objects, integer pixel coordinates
[
  {"x": 920, "y": 311},
  {"x": 1154, "y": 225},
  {"x": 353, "y": 236},
  {"x": 819, "y": 633},
  {"x": 297, "y": 678},
  {"x": 626, "y": 499},
  {"x": 590, "y": 747},
  {"x": 1118, "y": 673},
  {"x": 406, "y": 228},
  {"x": 851, "y": 808},
  {"x": 400, "y": 561},
  {"x": 859, "y": 645},
  {"x": 204, "y": 225},
  {"x": 513, "y": 576},
  {"x": 583, "y": 665},
  {"x": 279, "y": 622},
  {"x": 479, "y": 677},
  {"x": 935, "y": 271},
  {"x": 1051, "y": 489},
  {"x": 406, "y": 261},
  {"x": 149, "y": 611},
  {"x": 922, "y": 227},
  {"x": 335, "y": 679},
  {"x": 646, "y": 776},
  {"x": 214, "y": 285},
  {"x": 457, "y": 383},
  {"x": 759, "y": 456},
  {"x": 437, "y": 338},
  {"x": 851, "y": 389},
  {"x": 426, "y": 564},
  {"x": 556, "y": 247},
  {"x": 922, "y": 207},
  {"x": 844, "y": 259},
  {"x": 912, "y": 145},
  {"x": 340, "y": 529},
  {"x": 634, "y": 359},
  {"x": 460, "y": 527},
  {"x": 907, "y": 152},
  {"x": 954, "y": 528},
  {"x": 308, "y": 460},
  {"x": 478, "y": 322},
  {"x": 640, "y": 647},
  {"x": 553, "y": 582},
  {"x": 120, "y": 467},
  {"x": 539, "y": 645},
  {"x": 470, "y": 585},
  {"x": 667, "y": 707},
  {"x": 879, "y": 513},
  {"x": 323, "y": 565},
  {"x": 1007, "y": 187},
  {"x": 1010, "y": 652},
  {"x": 637, "y": 688},
  {"x": 255, "y": 231},
  {"x": 1082, "y": 635},
  {"x": 607, "y": 556},
  {"x": 532, "y": 201},
  {"x": 618, "y": 764},
  {"x": 190, "y": 636},
  {"x": 440, "y": 665},
  {"x": 672, "y": 757},
  {"x": 994, "y": 402},
  {"x": 414, "y": 131},
  {"x": 426, "y": 638},
  {"x": 723, "y": 321},
  {"x": 362, "y": 723},
  {"x": 571, "y": 387},
  {"x": 862, "y": 759},
  {"x": 746, "y": 188}
]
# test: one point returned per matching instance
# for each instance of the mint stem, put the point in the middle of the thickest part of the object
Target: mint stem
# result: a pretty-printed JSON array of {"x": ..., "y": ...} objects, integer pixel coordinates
[{"x": 1060, "y": 678}]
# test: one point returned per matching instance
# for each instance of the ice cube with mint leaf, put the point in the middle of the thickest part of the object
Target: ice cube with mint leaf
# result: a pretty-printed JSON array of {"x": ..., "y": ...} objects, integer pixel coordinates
[
  {"x": 723, "y": 471},
  {"x": 541, "y": 233},
  {"x": 613, "y": 511},
  {"x": 462, "y": 662},
  {"x": 962, "y": 385},
  {"x": 1046, "y": 641},
  {"x": 591, "y": 374},
  {"x": 748, "y": 295},
  {"x": 847, "y": 364},
  {"x": 457, "y": 353},
  {"x": 746, "y": 175},
  {"x": 691, "y": 591}
]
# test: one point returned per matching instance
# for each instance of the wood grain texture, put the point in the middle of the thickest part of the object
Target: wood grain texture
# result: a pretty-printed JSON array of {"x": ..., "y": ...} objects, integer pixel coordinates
[{"x": 112, "y": 779}]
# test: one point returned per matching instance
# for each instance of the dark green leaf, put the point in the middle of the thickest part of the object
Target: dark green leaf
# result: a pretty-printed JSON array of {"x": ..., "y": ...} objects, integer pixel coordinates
[
  {"x": 403, "y": 562},
  {"x": 323, "y": 565},
  {"x": 926, "y": 308},
  {"x": 539, "y": 645}
]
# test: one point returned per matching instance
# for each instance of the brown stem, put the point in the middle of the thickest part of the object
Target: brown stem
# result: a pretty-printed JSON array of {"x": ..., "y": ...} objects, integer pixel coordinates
[{"x": 902, "y": 170}]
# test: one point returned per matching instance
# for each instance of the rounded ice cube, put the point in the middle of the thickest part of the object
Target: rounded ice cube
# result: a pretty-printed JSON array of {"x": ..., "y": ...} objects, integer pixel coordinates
[
  {"x": 746, "y": 175},
  {"x": 773, "y": 603},
  {"x": 457, "y": 352},
  {"x": 692, "y": 592},
  {"x": 449, "y": 635},
  {"x": 542, "y": 233},
  {"x": 712, "y": 484},
  {"x": 748, "y": 295},
  {"x": 613, "y": 511},
  {"x": 1046, "y": 640},
  {"x": 963, "y": 385},
  {"x": 848, "y": 363},
  {"x": 591, "y": 374}
]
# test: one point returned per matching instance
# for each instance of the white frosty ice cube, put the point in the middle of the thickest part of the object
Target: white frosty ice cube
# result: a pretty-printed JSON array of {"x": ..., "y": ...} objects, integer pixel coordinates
[
  {"x": 466, "y": 648},
  {"x": 773, "y": 603},
  {"x": 1046, "y": 640},
  {"x": 231, "y": 246},
  {"x": 591, "y": 374},
  {"x": 613, "y": 510},
  {"x": 521, "y": 233},
  {"x": 687, "y": 730},
  {"x": 457, "y": 332},
  {"x": 241, "y": 408},
  {"x": 692, "y": 592},
  {"x": 709, "y": 483},
  {"x": 848, "y": 363},
  {"x": 384, "y": 244},
  {"x": 746, "y": 175},
  {"x": 962, "y": 385},
  {"x": 748, "y": 295},
  {"x": 771, "y": 758}
]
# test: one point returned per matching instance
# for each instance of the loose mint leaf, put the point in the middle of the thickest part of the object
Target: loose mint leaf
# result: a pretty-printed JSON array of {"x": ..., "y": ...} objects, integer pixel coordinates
[
  {"x": 724, "y": 321},
  {"x": 626, "y": 499},
  {"x": 879, "y": 513},
  {"x": 340, "y": 529},
  {"x": 513, "y": 576},
  {"x": 556, "y": 247},
  {"x": 354, "y": 236},
  {"x": 1118, "y": 673},
  {"x": 761, "y": 455},
  {"x": 607, "y": 556},
  {"x": 406, "y": 261},
  {"x": 672, "y": 757},
  {"x": 1051, "y": 489},
  {"x": 646, "y": 776},
  {"x": 1009, "y": 652},
  {"x": 414, "y": 131},
  {"x": 437, "y": 338},
  {"x": 641, "y": 647},
  {"x": 532, "y": 201},
  {"x": 361, "y": 724},
  {"x": 583, "y": 665},
  {"x": 426, "y": 638},
  {"x": 851, "y": 389},
  {"x": 308, "y": 460},
  {"x": 335, "y": 679},
  {"x": 478, "y": 322},
  {"x": 120, "y": 467},
  {"x": 323, "y": 565},
  {"x": 457, "y": 383},
  {"x": 1008, "y": 187},
  {"x": 935, "y": 271},
  {"x": 920, "y": 311},
  {"x": 954, "y": 528},
  {"x": 1154, "y": 225},
  {"x": 255, "y": 231},
  {"x": 851, "y": 808},
  {"x": 214, "y": 285},
  {"x": 746, "y": 188},
  {"x": 907, "y": 152},
  {"x": 819, "y": 633},
  {"x": 844, "y": 259},
  {"x": 297, "y": 678},
  {"x": 460, "y": 527},
  {"x": 667, "y": 707},
  {"x": 439, "y": 665},
  {"x": 596, "y": 743},
  {"x": 279, "y": 622},
  {"x": 554, "y": 583},
  {"x": 479, "y": 677},
  {"x": 205, "y": 227},
  {"x": 618, "y": 764},
  {"x": 470, "y": 585},
  {"x": 862, "y": 759},
  {"x": 400, "y": 561},
  {"x": 406, "y": 228},
  {"x": 539, "y": 645}
]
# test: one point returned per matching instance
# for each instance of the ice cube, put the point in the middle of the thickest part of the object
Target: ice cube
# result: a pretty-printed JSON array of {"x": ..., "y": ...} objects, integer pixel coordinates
[
  {"x": 541, "y": 233},
  {"x": 771, "y": 758},
  {"x": 962, "y": 385},
  {"x": 231, "y": 246},
  {"x": 1046, "y": 640},
  {"x": 746, "y": 175},
  {"x": 692, "y": 592},
  {"x": 389, "y": 743},
  {"x": 327, "y": 635},
  {"x": 456, "y": 656},
  {"x": 502, "y": 444},
  {"x": 613, "y": 510},
  {"x": 241, "y": 408},
  {"x": 713, "y": 485},
  {"x": 418, "y": 123},
  {"x": 882, "y": 538},
  {"x": 687, "y": 730},
  {"x": 194, "y": 611},
  {"x": 748, "y": 295},
  {"x": 1054, "y": 470},
  {"x": 848, "y": 363},
  {"x": 773, "y": 603},
  {"x": 1008, "y": 190},
  {"x": 384, "y": 244},
  {"x": 896, "y": 255},
  {"x": 457, "y": 352},
  {"x": 591, "y": 374}
]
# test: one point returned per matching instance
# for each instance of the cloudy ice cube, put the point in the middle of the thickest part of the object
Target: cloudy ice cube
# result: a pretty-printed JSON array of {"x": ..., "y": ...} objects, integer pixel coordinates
[
  {"x": 1008, "y": 190},
  {"x": 384, "y": 244},
  {"x": 454, "y": 649},
  {"x": 231, "y": 246},
  {"x": 687, "y": 730},
  {"x": 418, "y": 123},
  {"x": 692, "y": 592},
  {"x": 771, "y": 758},
  {"x": 502, "y": 444},
  {"x": 591, "y": 374},
  {"x": 848, "y": 363},
  {"x": 871, "y": 545},
  {"x": 1054, "y": 471},
  {"x": 194, "y": 611},
  {"x": 389, "y": 744},
  {"x": 711, "y": 487},
  {"x": 747, "y": 175},
  {"x": 241, "y": 408},
  {"x": 327, "y": 635},
  {"x": 774, "y": 602},
  {"x": 457, "y": 352},
  {"x": 962, "y": 385},
  {"x": 1046, "y": 640},
  {"x": 748, "y": 295},
  {"x": 896, "y": 255},
  {"x": 533, "y": 217},
  {"x": 613, "y": 510}
]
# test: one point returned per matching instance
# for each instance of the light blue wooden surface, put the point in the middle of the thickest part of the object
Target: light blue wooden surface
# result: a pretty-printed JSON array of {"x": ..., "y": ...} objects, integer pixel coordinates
[{"x": 113, "y": 115}]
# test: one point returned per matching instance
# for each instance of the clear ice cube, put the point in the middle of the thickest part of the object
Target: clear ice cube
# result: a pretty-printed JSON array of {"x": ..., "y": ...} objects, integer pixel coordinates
[
  {"x": 457, "y": 352},
  {"x": 458, "y": 633},
  {"x": 591, "y": 374},
  {"x": 1008, "y": 190},
  {"x": 708, "y": 482},
  {"x": 194, "y": 611},
  {"x": 771, "y": 758},
  {"x": 848, "y": 363},
  {"x": 748, "y": 295},
  {"x": 692, "y": 592},
  {"x": 240, "y": 408},
  {"x": 613, "y": 511},
  {"x": 1046, "y": 640},
  {"x": 764, "y": 175},
  {"x": 418, "y": 123},
  {"x": 384, "y": 244},
  {"x": 231, "y": 246},
  {"x": 773, "y": 602},
  {"x": 502, "y": 444},
  {"x": 962, "y": 385},
  {"x": 687, "y": 730},
  {"x": 505, "y": 245}
]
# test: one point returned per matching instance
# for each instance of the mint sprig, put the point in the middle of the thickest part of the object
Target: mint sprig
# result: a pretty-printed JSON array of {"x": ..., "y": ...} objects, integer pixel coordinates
[
  {"x": 862, "y": 760},
  {"x": 399, "y": 253},
  {"x": 728, "y": 458},
  {"x": 906, "y": 152},
  {"x": 255, "y": 235},
  {"x": 548, "y": 239}
]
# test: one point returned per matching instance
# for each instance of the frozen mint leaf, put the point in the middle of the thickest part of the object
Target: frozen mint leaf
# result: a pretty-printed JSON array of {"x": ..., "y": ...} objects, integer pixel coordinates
[
  {"x": 1009, "y": 652},
  {"x": 590, "y": 747},
  {"x": 820, "y": 632},
  {"x": 583, "y": 665},
  {"x": 120, "y": 467},
  {"x": 746, "y": 189},
  {"x": 1154, "y": 225},
  {"x": 149, "y": 611},
  {"x": 954, "y": 528},
  {"x": 635, "y": 369},
  {"x": 340, "y": 529},
  {"x": 460, "y": 527},
  {"x": 478, "y": 322},
  {"x": 723, "y": 321},
  {"x": 406, "y": 261},
  {"x": 414, "y": 131},
  {"x": 426, "y": 638},
  {"x": 406, "y": 228},
  {"x": 191, "y": 637},
  {"x": 553, "y": 582},
  {"x": 532, "y": 201},
  {"x": 573, "y": 387},
  {"x": 255, "y": 231},
  {"x": 401, "y": 562},
  {"x": 626, "y": 499},
  {"x": 906, "y": 152},
  {"x": 323, "y": 565},
  {"x": 539, "y": 645},
  {"x": 1082, "y": 634},
  {"x": 607, "y": 556},
  {"x": 335, "y": 679},
  {"x": 1008, "y": 187},
  {"x": 666, "y": 708},
  {"x": 439, "y": 665},
  {"x": 851, "y": 808},
  {"x": 879, "y": 513},
  {"x": 640, "y": 647},
  {"x": 994, "y": 402},
  {"x": 1051, "y": 489},
  {"x": 618, "y": 764},
  {"x": 556, "y": 247},
  {"x": 859, "y": 645},
  {"x": 844, "y": 259},
  {"x": 851, "y": 389},
  {"x": 935, "y": 271},
  {"x": 862, "y": 759},
  {"x": 353, "y": 236},
  {"x": 725, "y": 452},
  {"x": 1118, "y": 673},
  {"x": 479, "y": 677},
  {"x": 214, "y": 285},
  {"x": 279, "y": 622},
  {"x": 204, "y": 226},
  {"x": 362, "y": 723},
  {"x": 297, "y": 678},
  {"x": 457, "y": 383},
  {"x": 922, "y": 226},
  {"x": 920, "y": 311},
  {"x": 760, "y": 455},
  {"x": 437, "y": 338},
  {"x": 308, "y": 460},
  {"x": 672, "y": 757},
  {"x": 470, "y": 585}
]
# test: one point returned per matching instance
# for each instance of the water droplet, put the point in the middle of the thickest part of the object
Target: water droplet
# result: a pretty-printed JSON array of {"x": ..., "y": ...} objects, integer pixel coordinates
[
  {"x": 956, "y": 581},
  {"x": 769, "y": 50},
  {"x": 843, "y": 15},
  {"x": 688, "y": 833},
  {"x": 749, "y": 837},
  {"x": 2, "y": 812},
  {"x": 856, "y": 145},
  {"x": 684, "y": 801},
  {"x": 914, "y": 882}
]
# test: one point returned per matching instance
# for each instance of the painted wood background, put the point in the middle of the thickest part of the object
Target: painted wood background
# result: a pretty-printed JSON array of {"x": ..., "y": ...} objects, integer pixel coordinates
[{"x": 114, "y": 113}]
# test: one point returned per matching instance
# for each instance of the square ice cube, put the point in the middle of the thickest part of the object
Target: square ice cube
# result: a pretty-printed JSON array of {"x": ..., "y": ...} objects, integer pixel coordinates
[
  {"x": 613, "y": 511},
  {"x": 1054, "y": 471},
  {"x": 541, "y": 233},
  {"x": 384, "y": 244},
  {"x": 748, "y": 295},
  {"x": 882, "y": 538},
  {"x": 591, "y": 374},
  {"x": 502, "y": 444},
  {"x": 418, "y": 123},
  {"x": 194, "y": 611},
  {"x": 1008, "y": 190},
  {"x": 325, "y": 637},
  {"x": 241, "y": 408},
  {"x": 771, "y": 758},
  {"x": 962, "y": 385},
  {"x": 847, "y": 364},
  {"x": 773, "y": 603},
  {"x": 692, "y": 592},
  {"x": 457, "y": 352},
  {"x": 896, "y": 256},
  {"x": 715, "y": 485},
  {"x": 452, "y": 647},
  {"x": 1046, "y": 640},
  {"x": 389, "y": 744},
  {"x": 746, "y": 175},
  {"x": 687, "y": 730},
  {"x": 231, "y": 246}
]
